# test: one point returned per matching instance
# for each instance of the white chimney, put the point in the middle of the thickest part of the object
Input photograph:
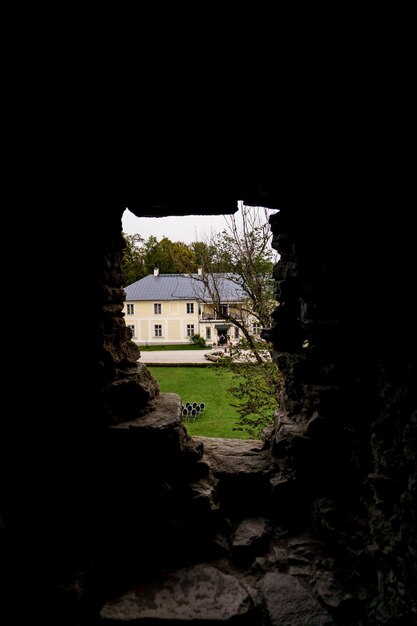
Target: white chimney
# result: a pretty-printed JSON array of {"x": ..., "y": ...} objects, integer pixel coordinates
[
  {"x": 156, "y": 271},
  {"x": 200, "y": 271}
]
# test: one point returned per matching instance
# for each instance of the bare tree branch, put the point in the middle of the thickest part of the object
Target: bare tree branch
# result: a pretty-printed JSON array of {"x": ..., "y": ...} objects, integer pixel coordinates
[{"x": 241, "y": 255}]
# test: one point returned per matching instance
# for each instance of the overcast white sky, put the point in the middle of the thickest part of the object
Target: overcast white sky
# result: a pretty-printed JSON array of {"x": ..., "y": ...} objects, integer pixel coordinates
[{"x": 187, "y": 229}]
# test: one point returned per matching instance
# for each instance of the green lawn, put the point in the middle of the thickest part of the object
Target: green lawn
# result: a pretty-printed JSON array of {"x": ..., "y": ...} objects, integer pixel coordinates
[{"x": 208, "y": 385}]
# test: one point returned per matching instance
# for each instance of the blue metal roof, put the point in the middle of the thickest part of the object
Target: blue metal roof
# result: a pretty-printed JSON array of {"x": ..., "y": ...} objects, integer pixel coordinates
[{"x": 182, "y": 287}]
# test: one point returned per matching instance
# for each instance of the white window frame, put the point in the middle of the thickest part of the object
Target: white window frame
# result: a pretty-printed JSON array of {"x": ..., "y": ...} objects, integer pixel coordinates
[
  {"x": 130, "y": 309},
  {"x": 256, "y": 328},
  {"x": 133, "y": 329},
  {"x": 157, "y": 330},
  {"x": 190, "y": 308},
  {"x": 157, "y": 308},
  {"x": 190, "y": 330},
  {"x": 208, "y": 332}
]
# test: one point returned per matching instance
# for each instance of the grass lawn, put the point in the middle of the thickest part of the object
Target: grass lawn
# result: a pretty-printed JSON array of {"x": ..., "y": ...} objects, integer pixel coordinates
[{"x": 208, "y": 385}]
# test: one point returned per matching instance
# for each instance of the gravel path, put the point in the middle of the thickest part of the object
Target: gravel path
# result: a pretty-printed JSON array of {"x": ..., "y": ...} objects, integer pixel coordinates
[{"x": 176, "y": 356}]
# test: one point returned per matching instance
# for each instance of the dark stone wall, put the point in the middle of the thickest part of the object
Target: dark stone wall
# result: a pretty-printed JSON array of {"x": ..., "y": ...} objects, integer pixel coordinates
[
  {"x": 344, "y": 338},
  {"x": 345, "y": 343}
]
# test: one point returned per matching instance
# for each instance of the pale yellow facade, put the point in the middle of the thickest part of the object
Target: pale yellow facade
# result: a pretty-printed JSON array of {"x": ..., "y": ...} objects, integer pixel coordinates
[
  {"x": 162, "y": 321},
  {"x": 171, "y": 322}
]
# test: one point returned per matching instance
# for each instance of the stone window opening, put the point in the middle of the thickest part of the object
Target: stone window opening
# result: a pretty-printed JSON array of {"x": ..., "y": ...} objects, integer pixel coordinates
[
  {"x": 102, "y": 487},
  {"x": 345, "y": 443},
  {"x": 190, "y": 328}
]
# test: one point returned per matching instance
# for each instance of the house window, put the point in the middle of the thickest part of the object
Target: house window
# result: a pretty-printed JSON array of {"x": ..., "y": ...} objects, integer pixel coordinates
[
  {"x": 190, "y": 330},
  {"x": 208, "y": 332},
  {"x": 224, "y": 310},
  {"x": 157, "y": 330},
  {"x": 157, "y": 308},
  {"x": 132, "y": 328},
  {"x": 190, "y": 307},
  {"x": 236, "y": 332},
  {"x": 130, "y": 309},
  {"x": 256, "y": 329}
]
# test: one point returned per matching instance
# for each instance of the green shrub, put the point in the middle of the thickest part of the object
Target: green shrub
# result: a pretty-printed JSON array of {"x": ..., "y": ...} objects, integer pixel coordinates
[{"x": 198, "y": 340}]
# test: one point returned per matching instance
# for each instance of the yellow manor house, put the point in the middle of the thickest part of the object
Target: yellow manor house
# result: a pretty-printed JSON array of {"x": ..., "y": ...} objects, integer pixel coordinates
[{"x": 171, "y": 308}]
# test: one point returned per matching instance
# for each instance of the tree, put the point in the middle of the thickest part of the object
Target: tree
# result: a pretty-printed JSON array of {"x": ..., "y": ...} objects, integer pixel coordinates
[
  {"x": 170, "y": 257},
  {"x": 203, "y": 254},
  {"x": 132, "y": 264},
  {"x": 244, "y": 255},
  {"x": 251, "y": 385},
  {"x": 141, "y": 257}
]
